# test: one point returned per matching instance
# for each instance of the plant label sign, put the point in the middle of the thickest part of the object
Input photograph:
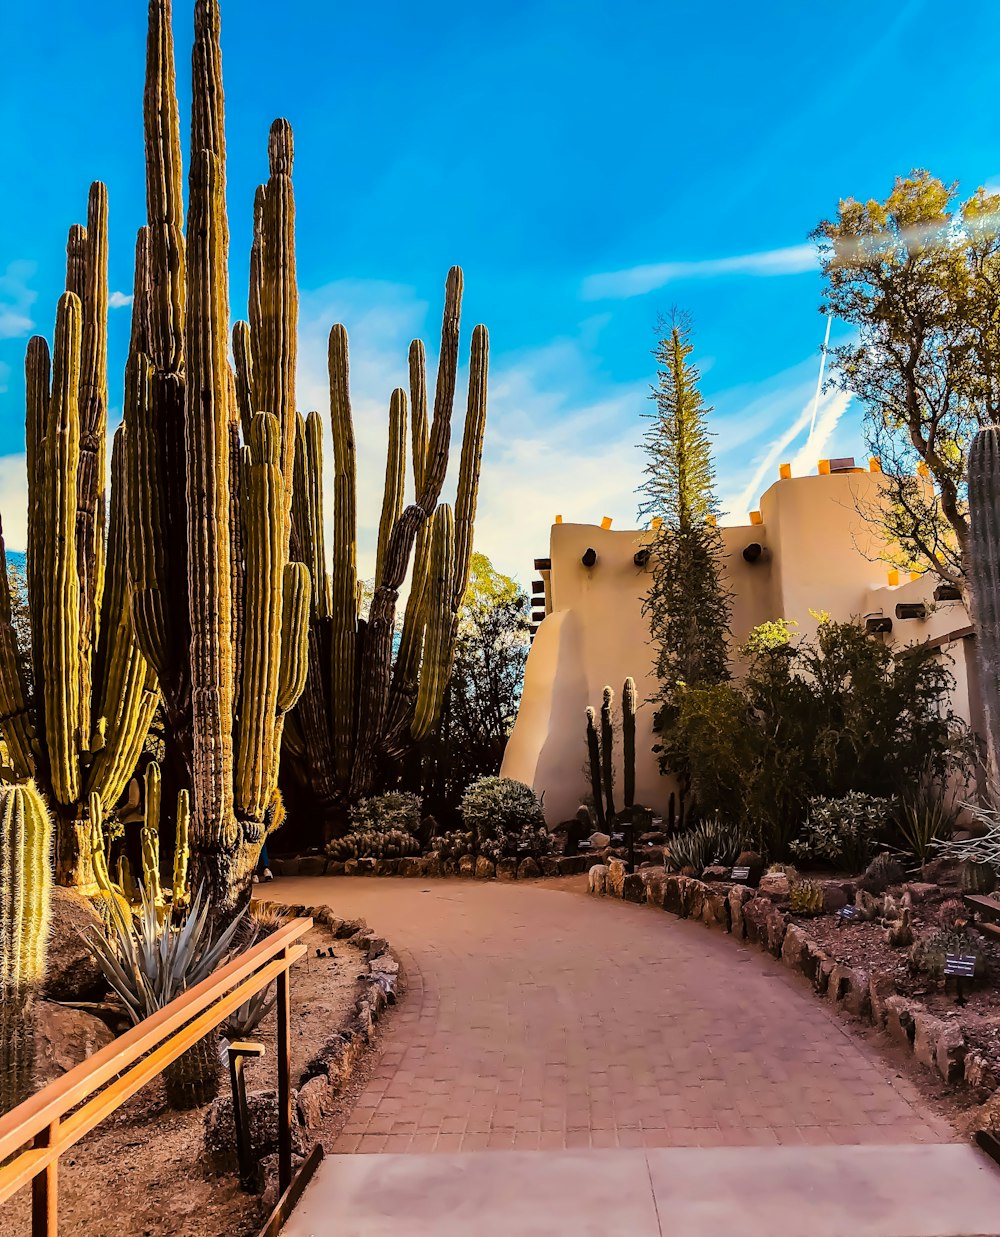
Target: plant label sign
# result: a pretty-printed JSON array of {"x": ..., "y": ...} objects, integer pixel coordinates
[
  {"x": 741, "y": 874},
  {"x": 963, "y": 966},
  {"x": 848, "y": 913}
]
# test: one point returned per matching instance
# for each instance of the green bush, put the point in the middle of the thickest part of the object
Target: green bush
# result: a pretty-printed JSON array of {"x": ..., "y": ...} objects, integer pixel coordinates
[
  {"x": 506, "y": 818},
  {"x": 399, "y": 811},
  {"x": 843, "y": 832}
]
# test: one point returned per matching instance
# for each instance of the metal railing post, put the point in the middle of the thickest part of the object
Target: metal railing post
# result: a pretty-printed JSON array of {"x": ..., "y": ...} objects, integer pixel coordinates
[
  {"x": 45, "y": 1189},
  {"x": 284, "y": 1082}
]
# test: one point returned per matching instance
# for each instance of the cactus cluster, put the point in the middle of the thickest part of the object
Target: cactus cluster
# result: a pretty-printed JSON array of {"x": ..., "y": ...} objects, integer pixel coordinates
[
  {"x": 360, "y": 704},
  {"x": 80, "y": 728},
  {"x": 453, "y": 844},
  {"x": 805, "y": 897},
  {"x": 25, "y": 905},
  {"x": 600, "y": 754},
  {"x": 928, "y": 952},
  {"x": 977, "y": 877},
  {"x": 373, "y": 844}
]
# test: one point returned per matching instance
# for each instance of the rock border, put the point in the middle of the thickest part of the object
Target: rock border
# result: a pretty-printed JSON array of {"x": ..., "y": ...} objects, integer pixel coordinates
[
  {"x": 870, "y": 996},
  {"x": 328, "y": 1073},
  {"x": 468, "y": 867}
]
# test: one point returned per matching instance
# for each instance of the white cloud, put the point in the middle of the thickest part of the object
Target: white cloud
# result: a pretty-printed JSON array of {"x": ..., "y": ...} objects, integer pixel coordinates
[
  {"x": 118, "y": 300},
  {"x": 637, "y": 280},
  {"x": 16, "y": 299}
]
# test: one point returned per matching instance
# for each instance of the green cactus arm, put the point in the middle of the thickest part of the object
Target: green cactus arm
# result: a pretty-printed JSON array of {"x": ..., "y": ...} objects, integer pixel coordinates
[
  {"x": 139, "y": 340},
  {"x": 98, "y": 853},
  {"x": 594, "y": 761},
  {"x": 280, "y": 303},
  {"x": 296, "y": 592},
  {"x": 608, "y": 751},
  {"x": 471, "y": 462},
  {"x": 61, "y": 595},
  {"x": 312, "y": 494},
  {"x": 25, "y": 890},
  {"x": 181, "y": 889},
  {"x": 125, "y": 688},
  {"x": 344, "y": 578},
  {"x": 246, "y": 397},
  {"x": 206, "y": 435},
  {"x": 418, "y": 413},
  {"x": 436, "y": 456},
  {"x": 150, "y": 834},
  {"x": 263, "y": 531},
  {"x": 37, "y": 379},
  {"x": 983, "y": 569},
  {"x": 93, "y": 403},
  {"x": 15, "y": 719},
  {"x": 436, "y": 660},
  {"x": 628, "y": 742},
  {"x": 395, "y": 478}
]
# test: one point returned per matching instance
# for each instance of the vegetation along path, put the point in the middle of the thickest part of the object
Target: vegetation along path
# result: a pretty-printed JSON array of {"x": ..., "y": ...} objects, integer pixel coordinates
[{"x": 537, "y": 1019}]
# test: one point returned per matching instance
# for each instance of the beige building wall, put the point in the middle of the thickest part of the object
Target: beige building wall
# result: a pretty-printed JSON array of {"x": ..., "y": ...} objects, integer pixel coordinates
[{"x": 818, "y": 554}]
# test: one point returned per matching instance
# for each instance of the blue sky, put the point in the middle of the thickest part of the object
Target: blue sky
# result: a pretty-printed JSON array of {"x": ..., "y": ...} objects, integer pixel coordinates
[{"x": 588, "y": 165}]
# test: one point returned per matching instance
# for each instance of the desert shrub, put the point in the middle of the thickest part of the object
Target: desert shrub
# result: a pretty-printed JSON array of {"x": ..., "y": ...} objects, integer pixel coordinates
[
  {"x": 711, "y": 841},
  {"x": 397, "y": 810},
  {"x": 843, "y": 832},
  {"x": 506, "y": 818},
  {"x": 837, "y": 714}
]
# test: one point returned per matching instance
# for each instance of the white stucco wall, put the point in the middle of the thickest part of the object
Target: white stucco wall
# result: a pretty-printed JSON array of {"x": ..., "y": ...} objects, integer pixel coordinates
[{"x": 820, "y": 555}]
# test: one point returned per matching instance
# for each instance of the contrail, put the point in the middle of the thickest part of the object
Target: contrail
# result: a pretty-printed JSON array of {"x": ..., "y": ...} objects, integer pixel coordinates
[{"x": 822, "y": 366}]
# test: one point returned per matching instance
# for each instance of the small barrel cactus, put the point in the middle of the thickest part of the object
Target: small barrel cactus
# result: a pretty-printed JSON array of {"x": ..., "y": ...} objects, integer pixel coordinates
[
  {"x": 805, "y": 897},
  {"x": 883, "y": 871},
  {"x": 928, "y": 954},
  {"x": 978, "y": 877}
]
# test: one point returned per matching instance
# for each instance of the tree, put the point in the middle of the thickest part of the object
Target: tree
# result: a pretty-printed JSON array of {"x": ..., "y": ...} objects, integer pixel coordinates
[
  {"x": 918, "y": 276},
  {"x": 687, "y": 605},
  {"x": 484, "y": 688}
]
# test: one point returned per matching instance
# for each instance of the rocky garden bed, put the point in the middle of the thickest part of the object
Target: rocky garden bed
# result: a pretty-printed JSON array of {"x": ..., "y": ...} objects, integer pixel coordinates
[{"x": 174, "y": 1174}]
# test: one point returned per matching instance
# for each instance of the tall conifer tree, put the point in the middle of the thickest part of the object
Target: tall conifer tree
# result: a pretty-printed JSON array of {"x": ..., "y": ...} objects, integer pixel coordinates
[{"x": 687, "y": 605}]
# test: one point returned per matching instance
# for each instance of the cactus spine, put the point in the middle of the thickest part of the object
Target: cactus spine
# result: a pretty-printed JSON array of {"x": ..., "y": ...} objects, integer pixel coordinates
[
  {"x": 25, "y": 902},
  {"x": 628, "y": 742},
  {"x": 984, "y": 573}
]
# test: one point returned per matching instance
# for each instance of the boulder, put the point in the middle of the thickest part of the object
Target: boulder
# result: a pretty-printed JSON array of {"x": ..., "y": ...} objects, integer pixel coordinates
[
  {"x": 433, "y": 864},
  {"x": 774, "y": 885},
  {"x": 713, "y": 910},
  {"x": 71, "y": 971},
  {"x": 267, "y": 1182},
  {"x": 486, "y": 869},
  {"x": 573, "y": 865},
  {"x": 63, "y": 1038},
  {"x": 386, "y": 867},
  {"x": 899, "y": 1020},
  {"x": 634, "y": 888},
  {"x": 413, "y": 867},
  {"x": 927, "y": 1031},
  {"x": 849, "y": 987},
  {"x": 979, "y": 1074},
  {"x": 467, "y": 867},
  {"x": 738, "y": 897},
  {"x": 672, "y": 893},
  {"x": 755, "y": 915},
  {"x": 793, "y": 947},
  {"x": 350, "y": 867},
  {"x": 655, "y": 881},
  {"x": 694, "y": 898},
  {"x": 716, "y": 873},
  {"x": 950, "y": 1054},
  {"x": 880, "y": 987},
  {"x": 550, "y": 865},
  {"x": 528, "y": 869},
  {"x": 507, "y": 870},
  {"x": 450, "y": 867},
  {"x": 598, "y": 841},
  {"x": 288, "y": 867},
  {"x": 220, "y": 1130},
  {"x": 312, "y": 865},
  {"x": 943, "y": 872},
  {"x": 314, "y": 1101},
  {"x": 812, "y": 961},
  {"x": 366, "y": 866},
  {"x": 334, "y": 867},
  {"x": 617, "y": 871},
  {"x": 920, "y": 891},
  {"x": 834, "y": 897},
  {"x": 349, "y": 928}
]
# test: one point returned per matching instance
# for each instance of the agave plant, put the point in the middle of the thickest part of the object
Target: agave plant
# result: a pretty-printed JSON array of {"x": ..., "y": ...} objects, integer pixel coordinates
[
  {"x": 923, "y": 820},
  {"x": 711, "y": 841},
  {"x": 149, "y": 962}
]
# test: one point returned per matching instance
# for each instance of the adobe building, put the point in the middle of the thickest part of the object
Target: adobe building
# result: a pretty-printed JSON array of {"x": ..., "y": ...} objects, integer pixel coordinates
[{"x": 808, "y": 549}]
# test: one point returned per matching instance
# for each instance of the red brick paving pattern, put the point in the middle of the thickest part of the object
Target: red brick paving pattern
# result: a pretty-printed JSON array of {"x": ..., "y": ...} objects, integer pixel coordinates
[{"x": 537, "y": 1018}]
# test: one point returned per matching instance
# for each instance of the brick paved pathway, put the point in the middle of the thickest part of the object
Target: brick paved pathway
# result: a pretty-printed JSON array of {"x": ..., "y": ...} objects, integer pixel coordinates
[{"x": 540, "y": 1018}]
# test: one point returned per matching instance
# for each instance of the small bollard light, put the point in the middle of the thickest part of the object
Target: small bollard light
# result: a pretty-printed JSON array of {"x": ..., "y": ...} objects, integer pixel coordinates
[{"x": 238, "y": 1053}]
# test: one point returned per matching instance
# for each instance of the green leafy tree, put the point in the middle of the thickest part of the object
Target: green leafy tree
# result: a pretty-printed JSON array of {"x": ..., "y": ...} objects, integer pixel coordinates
[
  {"x": 918, "y": 277},
  {"x": 484, "y": 689},
  {"x": 687, "y": 605}
]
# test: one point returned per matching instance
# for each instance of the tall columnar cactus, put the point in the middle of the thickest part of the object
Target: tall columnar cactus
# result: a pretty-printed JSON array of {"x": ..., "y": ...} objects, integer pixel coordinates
[
  {"x": 608, "y": 752},
  {"x": 360, "y": 705},
  {"x": 984, "y": 574},
  {"x": 81, "y": 726},
  {"x": 628, "y": 743},
  {"x": 25, "y": 899},
  {"x": 594, "y": 762},
  {"x": 219, "y": 609}
]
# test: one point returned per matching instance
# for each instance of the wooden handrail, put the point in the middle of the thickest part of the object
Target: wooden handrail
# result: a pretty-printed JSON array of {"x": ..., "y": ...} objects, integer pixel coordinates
[{"x": 36, "y": 1127}]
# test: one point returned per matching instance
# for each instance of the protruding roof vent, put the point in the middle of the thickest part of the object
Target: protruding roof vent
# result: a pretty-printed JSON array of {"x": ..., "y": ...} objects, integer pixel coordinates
[{"x": 589, "y": 557}]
